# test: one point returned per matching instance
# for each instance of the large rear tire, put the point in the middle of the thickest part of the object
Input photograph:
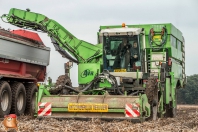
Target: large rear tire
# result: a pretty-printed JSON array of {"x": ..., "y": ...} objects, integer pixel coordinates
[
  {"x": 5, "y": 98},
  {"x": 152, "y": 94},
  {"x": 170, "y": 111},
  {"x": 31, "y": 90},
  {"x": 18, "y": 98}
]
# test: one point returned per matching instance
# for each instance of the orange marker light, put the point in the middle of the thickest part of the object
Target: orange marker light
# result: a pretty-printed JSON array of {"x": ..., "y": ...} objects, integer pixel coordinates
[{"x": 123, "y": 25}]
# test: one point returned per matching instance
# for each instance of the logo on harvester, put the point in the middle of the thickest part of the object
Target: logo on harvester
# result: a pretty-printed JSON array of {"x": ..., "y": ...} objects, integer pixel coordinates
[{"x": 86, "y": 73}]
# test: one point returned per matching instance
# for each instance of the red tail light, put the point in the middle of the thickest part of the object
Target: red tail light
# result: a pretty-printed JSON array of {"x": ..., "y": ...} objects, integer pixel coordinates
[{"x": 169, "y": 61}]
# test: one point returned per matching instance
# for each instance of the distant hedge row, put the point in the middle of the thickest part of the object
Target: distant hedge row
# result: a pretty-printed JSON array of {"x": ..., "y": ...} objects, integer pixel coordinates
[{"x": 189, "y": 95}]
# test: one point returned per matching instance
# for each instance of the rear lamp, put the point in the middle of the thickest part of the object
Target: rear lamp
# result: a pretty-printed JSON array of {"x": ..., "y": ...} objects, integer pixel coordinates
[
  {"x": 169, "y": 61},
  {"x": 123, "y": 25}
]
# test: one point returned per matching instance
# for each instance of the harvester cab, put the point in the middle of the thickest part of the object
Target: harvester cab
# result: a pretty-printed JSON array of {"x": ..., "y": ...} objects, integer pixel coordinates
[
  {"x": 121, "y": 49},
  {"x": 122, "y": 58}
]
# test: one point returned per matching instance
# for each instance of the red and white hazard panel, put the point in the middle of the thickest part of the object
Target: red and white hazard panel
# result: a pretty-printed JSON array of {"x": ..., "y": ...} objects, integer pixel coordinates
[
  {"x": 44, "y": 109},
  {"x": 132, "y": 110}
]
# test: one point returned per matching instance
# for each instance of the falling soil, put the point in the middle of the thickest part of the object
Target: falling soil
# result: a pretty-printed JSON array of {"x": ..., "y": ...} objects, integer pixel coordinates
[{"x": 186, "y": 121}]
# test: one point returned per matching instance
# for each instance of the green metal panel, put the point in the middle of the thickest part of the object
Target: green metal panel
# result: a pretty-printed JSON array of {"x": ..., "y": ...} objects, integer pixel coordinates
[
  {"x": 113, "y": 101},
  {"x": 173, "y": 88},
  {"x": 145, "y": 106},
  {"x": 42, "y": 91},
  {"x": 168, "y": 91},
  {"x": 174, "y": 52},
  {"x": 177, "y": 69},
  {"x": 116, "y": 105},
  {"x": 179, "y": 55},
  {"x": 170, "y": 27},
  {"x": 87, "y": 72},
  {"x": 174, "y": 97},
  {"x": 104, "y": 84}
]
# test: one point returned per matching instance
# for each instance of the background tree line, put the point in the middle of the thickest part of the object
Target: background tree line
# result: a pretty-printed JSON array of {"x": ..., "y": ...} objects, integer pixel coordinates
[{"x": 189, "y": 94}]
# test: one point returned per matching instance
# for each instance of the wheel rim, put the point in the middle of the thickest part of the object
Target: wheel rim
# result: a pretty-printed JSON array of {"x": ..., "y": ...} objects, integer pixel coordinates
[
  {"x": 5, "y": 100},
  {"x": 20, "y": 101}
]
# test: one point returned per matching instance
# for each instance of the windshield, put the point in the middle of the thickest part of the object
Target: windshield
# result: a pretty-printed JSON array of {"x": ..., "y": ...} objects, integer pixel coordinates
[{"x": 121, "y": 53}]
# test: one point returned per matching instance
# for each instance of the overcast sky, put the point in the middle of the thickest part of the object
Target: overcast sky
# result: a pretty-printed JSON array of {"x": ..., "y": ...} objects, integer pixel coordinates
[{"x": 83, "y": 18}]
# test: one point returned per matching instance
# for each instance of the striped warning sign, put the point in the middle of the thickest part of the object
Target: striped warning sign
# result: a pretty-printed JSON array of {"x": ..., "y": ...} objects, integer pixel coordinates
[
  {"x": 132, "y": 110},
  {"x": 44, "y": 109}
]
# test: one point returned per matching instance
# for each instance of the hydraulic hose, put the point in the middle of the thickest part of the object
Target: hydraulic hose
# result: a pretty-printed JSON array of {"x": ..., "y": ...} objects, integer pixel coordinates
[
  {"x": 90, "y": 84},
  {"x": 85, "y": 88},
  {"x": 163, "y": 34},
  {"x": 71, "y": 88},
  {"x": 95, "y": 80}
]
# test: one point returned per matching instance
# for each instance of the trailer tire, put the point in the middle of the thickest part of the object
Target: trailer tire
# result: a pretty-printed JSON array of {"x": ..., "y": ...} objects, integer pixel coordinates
[
  {"x": 5, "y": 98},
  {"x": 18, "y": 98},
  {"x": 31, "y": 90}
]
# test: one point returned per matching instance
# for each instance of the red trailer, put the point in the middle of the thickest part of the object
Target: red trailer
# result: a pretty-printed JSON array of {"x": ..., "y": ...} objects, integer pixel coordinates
[{"x": 23, "y": 62}]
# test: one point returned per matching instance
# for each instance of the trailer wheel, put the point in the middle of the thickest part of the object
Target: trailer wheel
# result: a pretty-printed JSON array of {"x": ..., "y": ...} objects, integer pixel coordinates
[
  {"x": 18, "y": 98},
  {"x": 5, "y": 98},
  {"x": 31, "y": 90}
]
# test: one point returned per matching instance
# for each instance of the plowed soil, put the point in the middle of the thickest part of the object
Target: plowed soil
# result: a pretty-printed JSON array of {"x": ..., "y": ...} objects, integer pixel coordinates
[{"x": 186, "y": 121}]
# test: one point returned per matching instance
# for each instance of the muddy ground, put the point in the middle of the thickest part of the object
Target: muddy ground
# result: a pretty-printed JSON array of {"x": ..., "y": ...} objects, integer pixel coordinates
[{"x": 186, "y": 121}]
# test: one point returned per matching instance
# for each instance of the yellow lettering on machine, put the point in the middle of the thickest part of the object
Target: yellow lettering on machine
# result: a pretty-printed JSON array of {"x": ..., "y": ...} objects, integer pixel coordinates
[{"x": 87, "y": 107}]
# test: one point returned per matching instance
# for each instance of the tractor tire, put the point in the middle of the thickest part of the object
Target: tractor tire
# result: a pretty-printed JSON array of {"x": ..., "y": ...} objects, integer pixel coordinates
[
  {"x": 60, "y": 83},
  {"x": 150, "y": 89},
  {"x": 152, "y": 94},
  {"x": 170, "y": 111},
  {"x": 5, "y": 98},
  {"x": 31, "y": 90},
  {"x": 18, "y": 98},
  {"x": 174, "y": 112}
]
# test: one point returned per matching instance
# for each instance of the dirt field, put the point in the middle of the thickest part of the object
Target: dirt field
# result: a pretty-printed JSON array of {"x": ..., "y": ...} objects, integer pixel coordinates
[{"x": 186, "y": 121}]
